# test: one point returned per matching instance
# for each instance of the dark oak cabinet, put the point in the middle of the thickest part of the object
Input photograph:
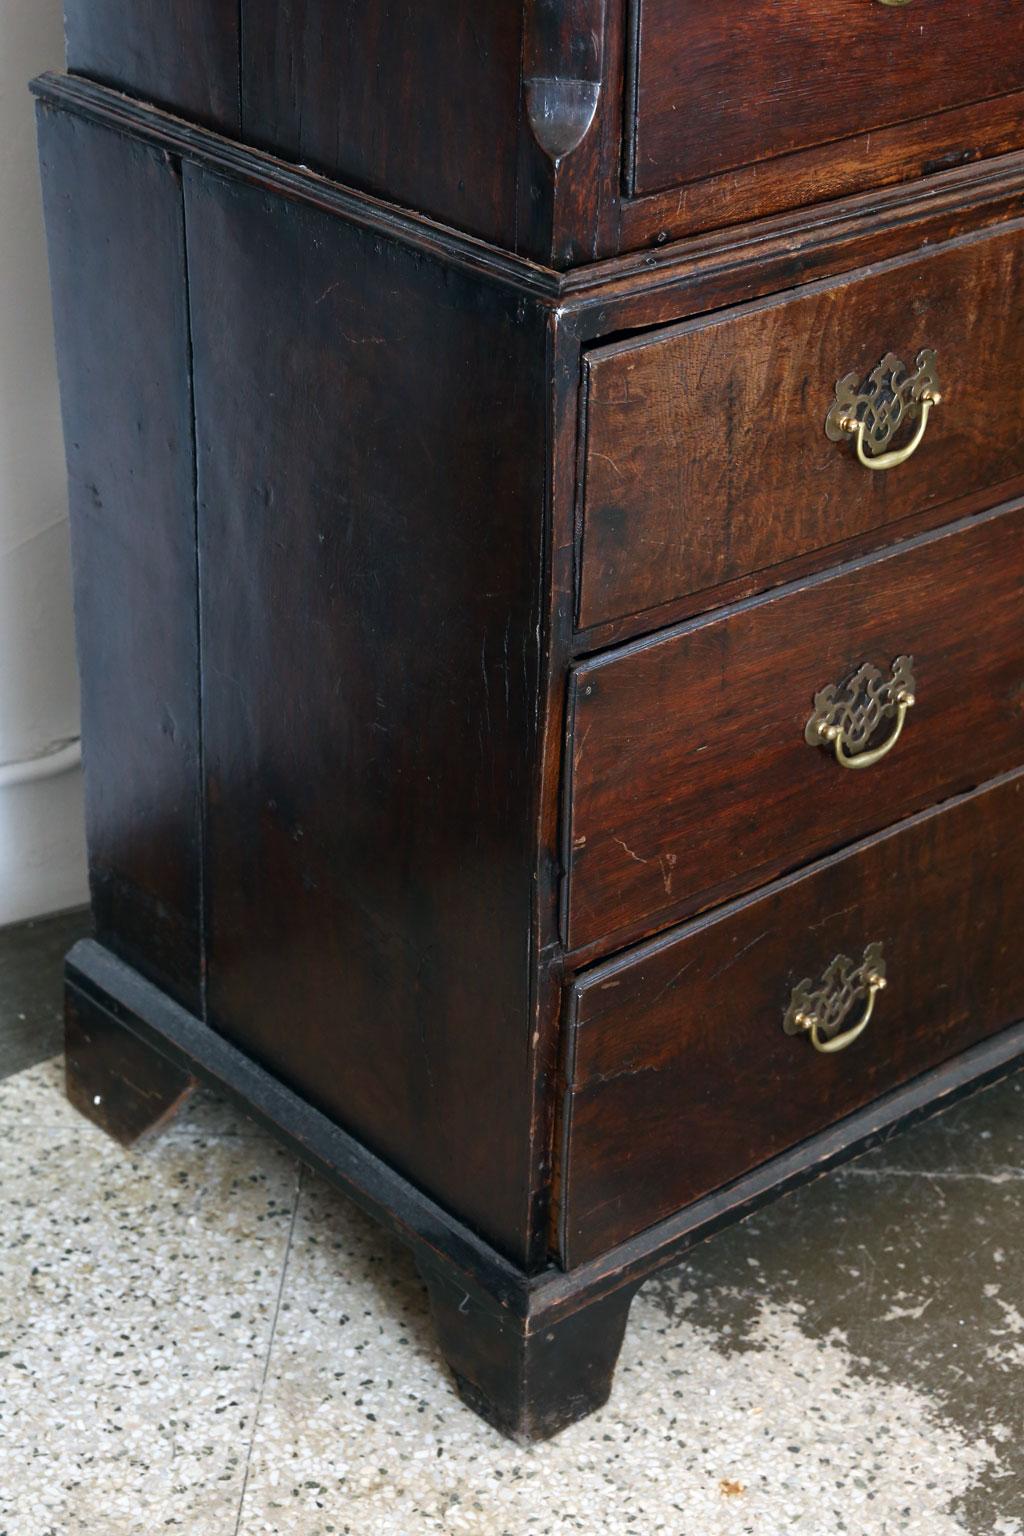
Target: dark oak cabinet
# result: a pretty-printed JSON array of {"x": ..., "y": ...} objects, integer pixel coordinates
[
  {"x": 548, "y": 530},
  {"x": 573, "y": 129}
]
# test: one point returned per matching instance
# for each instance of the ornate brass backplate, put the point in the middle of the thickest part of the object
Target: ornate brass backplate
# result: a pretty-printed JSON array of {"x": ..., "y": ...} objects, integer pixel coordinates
[
  {"x": 871, "y": 411},
  {"x": 846, "y": 717},
  {"x": 822, "y": 1011}
]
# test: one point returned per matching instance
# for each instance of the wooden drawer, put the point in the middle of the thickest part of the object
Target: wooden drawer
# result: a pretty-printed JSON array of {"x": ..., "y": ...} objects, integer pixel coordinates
[
  {"x": 681, "y": 1076},
  {"x": 691, "y": 779},
  {"x": 705, "y": 454},
  {"x": 717, "y": 87}
]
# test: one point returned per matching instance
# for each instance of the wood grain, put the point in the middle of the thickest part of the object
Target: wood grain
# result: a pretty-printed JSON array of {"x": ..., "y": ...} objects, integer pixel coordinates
[
  {"x": 386, "y": 419},
  {"x": 117, "y": 268},
  {"x": 691, "y": 779},
  {"x": 705, "y": 453},
  {"x": 181, "y": 54},
  {"x": 719, "y": 86},
  {"x": 567, "y": 183},
  {"x": 101, "y": 983},
  {"x": 417, "y": 102},
  {"x": 886, "y": 157},
  {"x": 113, "y": 1079},
  {"x": 531, "y": 1376},
  {"x": 370, "y": 470},
  {"x": 483, "y": 115},
  {"x": 638, "y": 289},
  {"x": 681, "y": 1075}
]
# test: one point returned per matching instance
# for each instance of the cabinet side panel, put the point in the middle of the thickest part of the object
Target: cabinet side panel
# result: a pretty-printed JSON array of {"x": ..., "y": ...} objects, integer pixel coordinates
[
  {"x": 115, "y": 232},
  {"x": 370, "y": 448},
  {"x": 181, "y": 54},
  {"x": 419, "y": 103}
]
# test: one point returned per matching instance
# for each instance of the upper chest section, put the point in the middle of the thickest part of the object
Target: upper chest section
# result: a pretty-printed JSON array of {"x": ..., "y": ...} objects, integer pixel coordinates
[{"x": 569, "y": 130}]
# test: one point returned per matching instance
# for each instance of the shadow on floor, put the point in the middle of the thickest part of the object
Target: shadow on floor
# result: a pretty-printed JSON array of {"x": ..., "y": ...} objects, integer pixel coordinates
[{"x": 31, "y": 982}]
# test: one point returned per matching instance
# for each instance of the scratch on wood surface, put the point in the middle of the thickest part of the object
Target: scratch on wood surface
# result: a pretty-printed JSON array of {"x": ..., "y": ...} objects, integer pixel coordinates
[
  {"x": 580, "y": 744},
  {"x": 595, "y": 1079},
  {"x": 734, "y": 959},
  {"x": 831, "y": 917},
  {"x": 676, "y": 977},
  {"x": 608, "y": 460}
]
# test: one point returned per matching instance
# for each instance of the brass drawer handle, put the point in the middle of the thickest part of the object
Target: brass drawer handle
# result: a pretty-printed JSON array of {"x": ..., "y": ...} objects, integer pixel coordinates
[
  {"x": 847, "y": 717},
  {"x": 872, "y": 411},
  {"x": 822, "y": 1011}
]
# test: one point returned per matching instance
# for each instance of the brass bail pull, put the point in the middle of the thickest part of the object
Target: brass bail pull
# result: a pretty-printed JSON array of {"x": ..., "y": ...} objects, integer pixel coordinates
[
  {"x": 847, "y": 718},
  {"x": 898, "y": 456},
  {"x": 820, "y": 1012},
  {"x": 871, "y": 412}
]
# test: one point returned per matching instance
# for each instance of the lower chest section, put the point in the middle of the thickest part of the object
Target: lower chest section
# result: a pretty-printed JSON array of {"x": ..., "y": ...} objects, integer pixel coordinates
[{"x": 402, "y": 608}]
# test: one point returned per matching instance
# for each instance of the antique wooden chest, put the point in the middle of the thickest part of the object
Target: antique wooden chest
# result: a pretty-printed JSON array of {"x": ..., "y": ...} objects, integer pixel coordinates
[{"x": 547, "y": 491}]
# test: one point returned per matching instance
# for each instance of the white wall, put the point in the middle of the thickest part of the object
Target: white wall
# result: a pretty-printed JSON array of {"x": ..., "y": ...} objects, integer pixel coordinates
[{"x": 42, "y": 853}]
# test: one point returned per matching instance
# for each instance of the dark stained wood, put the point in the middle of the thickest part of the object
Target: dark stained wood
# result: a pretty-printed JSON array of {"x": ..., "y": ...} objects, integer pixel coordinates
[
  {"x": 387, "y": 412},
  {"x": 719, "y": 86},
  {"x": 120, "y": 1084},
  {"x": 924, "y": 1096},
  {"x": 438, "y": 1240},
  {"x": 182, "y": 54},
  {"x": 518, "y": 121},
  {"x": 883, "y": 158},
  {"x": 529, "y": 1376},
  {"x": 507, "y": 120},
  {"x": 634, "y": 291},
  {"x": 706, "y": 456},
  {"x": 417, "y": 102},
  {"x": 258, "y": 168},
  {"x": 99, "y": 982},
  {"x": 691, "y": 779},
  {"x": 370, "y": 513},
  {"x": 472, "y": 114},
  {"x": 567, "y": 183},
  {"x": 114, "y": 221},
  {"x": 681, "y": 1075},
  {"x": 602, "y": 636},
  {"x": 725, "y": 266}
]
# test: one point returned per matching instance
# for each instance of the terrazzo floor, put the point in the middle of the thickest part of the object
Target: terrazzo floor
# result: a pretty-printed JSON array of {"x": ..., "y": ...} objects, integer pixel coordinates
[{"x": 202, "y": 1337}]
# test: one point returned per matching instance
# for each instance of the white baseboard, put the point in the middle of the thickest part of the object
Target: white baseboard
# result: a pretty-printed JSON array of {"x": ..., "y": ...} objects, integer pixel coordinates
[{"x": 42, "y": 847}]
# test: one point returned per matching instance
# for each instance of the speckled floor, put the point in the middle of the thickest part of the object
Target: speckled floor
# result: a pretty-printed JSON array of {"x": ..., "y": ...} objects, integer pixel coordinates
[{"x": 200, "y": 1337}]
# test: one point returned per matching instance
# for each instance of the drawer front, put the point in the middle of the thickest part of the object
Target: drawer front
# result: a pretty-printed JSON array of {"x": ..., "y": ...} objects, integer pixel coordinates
[
  {"x": 706, "y": 457},
  {"x": 691, "y": 779},
  {"x": 721, "y": 86},
  {"x": 682, "y": 1076}
]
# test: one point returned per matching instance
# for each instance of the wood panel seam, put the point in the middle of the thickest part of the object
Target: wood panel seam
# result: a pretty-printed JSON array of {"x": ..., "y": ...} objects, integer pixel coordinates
[{"x": 201, "y": 732}]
